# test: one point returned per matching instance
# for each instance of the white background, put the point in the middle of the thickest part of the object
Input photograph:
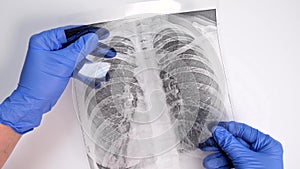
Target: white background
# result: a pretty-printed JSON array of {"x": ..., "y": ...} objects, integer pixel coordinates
[{"x": 260, "y": 47}]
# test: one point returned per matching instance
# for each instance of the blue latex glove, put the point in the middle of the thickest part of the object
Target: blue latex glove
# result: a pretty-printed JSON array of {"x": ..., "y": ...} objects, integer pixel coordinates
[
  {"x": 46, "y": 72},
  {"x": 241, "y": 146}
]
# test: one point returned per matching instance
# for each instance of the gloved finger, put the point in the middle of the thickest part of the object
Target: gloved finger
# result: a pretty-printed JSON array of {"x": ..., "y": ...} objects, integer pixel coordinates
[
  {"x": 107, "y": 77},
  {"x": 243, "y": 142},
  {"x": 247, "y": 133},
  {"x": 94, "y": 83},
  {"x": 258, "y": 141},
  {"x": 78, "y": 50},
  {"x": 228, "y": 143},
  {"x": 103, "y": 50},
  {"x": 74, "y": 33},
  {"x": 216, "y": 161},
  {"x": 91, "y": 82},
  {"x": 49, "y": 40},
  {"x": 209, "y": 145},
  {"x": 56, "y": 39}
]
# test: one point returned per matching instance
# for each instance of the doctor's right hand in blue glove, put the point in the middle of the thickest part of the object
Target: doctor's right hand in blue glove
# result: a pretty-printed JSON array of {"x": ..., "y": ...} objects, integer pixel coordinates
[
  {"x": 240, "y": 146},
  {"x": 50, "y": 61}
]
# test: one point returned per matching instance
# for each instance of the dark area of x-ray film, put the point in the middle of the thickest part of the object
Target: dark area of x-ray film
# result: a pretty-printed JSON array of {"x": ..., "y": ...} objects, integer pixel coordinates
[{"x": 166, "y": 90}]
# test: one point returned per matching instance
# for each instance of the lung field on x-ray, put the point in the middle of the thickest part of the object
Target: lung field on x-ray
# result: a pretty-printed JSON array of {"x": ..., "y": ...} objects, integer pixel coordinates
[{"x": 162, "y": 96}]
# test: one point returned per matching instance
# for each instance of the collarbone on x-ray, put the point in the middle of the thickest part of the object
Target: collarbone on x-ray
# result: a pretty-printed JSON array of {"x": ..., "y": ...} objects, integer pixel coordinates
[{"x": 166, "y": 90}]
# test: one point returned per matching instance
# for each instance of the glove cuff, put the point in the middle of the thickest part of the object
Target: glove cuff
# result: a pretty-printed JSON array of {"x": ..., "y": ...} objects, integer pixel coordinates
[{"x": 22, "y": 113}]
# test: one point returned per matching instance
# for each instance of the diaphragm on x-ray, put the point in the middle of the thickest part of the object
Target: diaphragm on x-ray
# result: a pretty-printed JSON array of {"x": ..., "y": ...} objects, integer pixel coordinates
[{"x": 166, "y": 91}]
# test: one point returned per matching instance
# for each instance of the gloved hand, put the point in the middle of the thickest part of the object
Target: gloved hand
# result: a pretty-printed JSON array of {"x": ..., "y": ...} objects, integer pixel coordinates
[
  {"x": 241, "y": 146},
  {"x": 46, "y": 72}
]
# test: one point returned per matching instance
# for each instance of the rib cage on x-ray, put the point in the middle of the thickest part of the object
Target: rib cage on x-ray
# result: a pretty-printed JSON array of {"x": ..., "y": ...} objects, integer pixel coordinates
[{"x": 158, "y": 62}]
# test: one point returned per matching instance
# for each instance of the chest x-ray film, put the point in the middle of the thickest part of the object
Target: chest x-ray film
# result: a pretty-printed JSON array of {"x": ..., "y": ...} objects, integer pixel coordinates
[{"x": 166, "y": 91}]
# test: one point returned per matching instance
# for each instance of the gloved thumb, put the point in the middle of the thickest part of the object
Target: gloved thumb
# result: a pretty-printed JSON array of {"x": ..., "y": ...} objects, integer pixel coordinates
[
  {"x": 229, "y": 144},
  {"x": 82, "y": 47}
]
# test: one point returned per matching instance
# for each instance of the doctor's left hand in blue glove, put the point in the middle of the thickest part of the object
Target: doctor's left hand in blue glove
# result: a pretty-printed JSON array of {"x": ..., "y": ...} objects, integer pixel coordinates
[{"x": 51, "y": 59}]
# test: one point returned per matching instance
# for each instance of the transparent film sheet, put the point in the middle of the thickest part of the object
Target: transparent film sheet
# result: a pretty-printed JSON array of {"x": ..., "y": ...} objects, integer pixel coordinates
[{"x": 166, "y": 90}]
